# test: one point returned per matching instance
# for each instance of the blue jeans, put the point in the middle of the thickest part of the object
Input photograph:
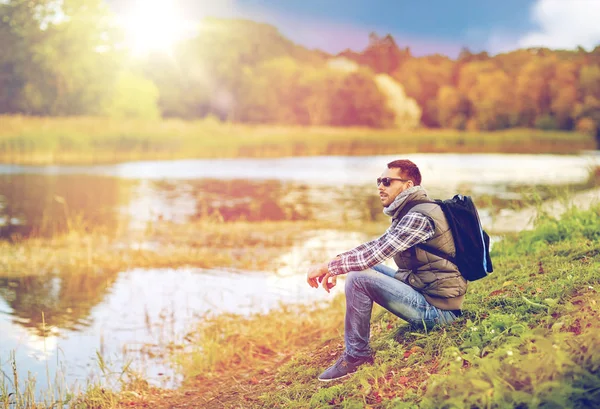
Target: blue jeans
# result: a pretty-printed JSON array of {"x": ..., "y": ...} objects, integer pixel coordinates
[{"x": 379, "y": 285}]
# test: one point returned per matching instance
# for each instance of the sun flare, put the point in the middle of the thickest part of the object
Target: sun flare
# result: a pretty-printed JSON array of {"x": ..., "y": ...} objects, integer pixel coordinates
[{"x": 154, "y": 25}]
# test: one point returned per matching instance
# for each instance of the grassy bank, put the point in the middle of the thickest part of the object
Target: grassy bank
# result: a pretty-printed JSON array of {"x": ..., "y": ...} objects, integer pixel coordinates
[
  {"x": 528, "y": 339},
  {"x": 30, "y": 140}
]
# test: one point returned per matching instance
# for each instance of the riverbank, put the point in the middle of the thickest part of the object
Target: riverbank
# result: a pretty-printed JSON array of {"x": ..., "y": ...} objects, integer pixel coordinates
[
  {"x": 45, "y": 141},
  {"x": 272, "y": 360},
  {"x": 528, "y": 337}
]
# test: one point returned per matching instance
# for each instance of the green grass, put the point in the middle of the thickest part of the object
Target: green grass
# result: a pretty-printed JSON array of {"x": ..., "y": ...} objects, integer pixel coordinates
[
  {"x": 528, "y": 340},
  {"x": 83, "y": 140}
]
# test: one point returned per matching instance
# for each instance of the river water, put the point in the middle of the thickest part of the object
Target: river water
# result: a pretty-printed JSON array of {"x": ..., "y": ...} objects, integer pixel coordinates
[{"x": 56, "y": 327}]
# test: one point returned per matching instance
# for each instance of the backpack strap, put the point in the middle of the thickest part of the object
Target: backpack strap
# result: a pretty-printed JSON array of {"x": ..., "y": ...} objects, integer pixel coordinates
[
  {"x": 407, "y": 208},
  {"x": 437, "y": 252}
]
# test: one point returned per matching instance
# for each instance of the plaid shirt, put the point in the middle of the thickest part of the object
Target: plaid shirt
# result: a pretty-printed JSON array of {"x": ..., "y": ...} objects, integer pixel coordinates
[{"x": 414, "y": 228}]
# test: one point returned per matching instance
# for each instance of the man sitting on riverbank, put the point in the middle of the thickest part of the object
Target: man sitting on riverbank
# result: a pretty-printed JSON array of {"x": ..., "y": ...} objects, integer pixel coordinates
[{"x": 425, "y": 290}]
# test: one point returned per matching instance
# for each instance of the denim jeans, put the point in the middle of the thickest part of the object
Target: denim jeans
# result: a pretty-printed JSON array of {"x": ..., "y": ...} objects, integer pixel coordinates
[{"x": 379, "y": 285}]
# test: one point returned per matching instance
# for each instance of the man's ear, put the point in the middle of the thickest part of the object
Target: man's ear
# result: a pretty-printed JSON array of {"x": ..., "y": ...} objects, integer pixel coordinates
[{"x": 410, "y": 183}]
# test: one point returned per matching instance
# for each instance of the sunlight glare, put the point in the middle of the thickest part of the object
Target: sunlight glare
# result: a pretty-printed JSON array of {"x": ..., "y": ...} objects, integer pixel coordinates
[{"x": 154, "y": 25}]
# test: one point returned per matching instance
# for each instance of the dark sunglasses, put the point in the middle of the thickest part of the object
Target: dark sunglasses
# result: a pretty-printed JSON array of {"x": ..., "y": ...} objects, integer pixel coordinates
[{"x": 388, "y": 181}]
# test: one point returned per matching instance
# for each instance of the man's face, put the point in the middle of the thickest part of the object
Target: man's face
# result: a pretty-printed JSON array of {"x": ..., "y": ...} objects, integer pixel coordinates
[{"x": 387, "y": 194}]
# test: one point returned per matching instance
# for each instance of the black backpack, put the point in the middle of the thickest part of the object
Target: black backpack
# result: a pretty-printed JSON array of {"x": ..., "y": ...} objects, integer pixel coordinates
[{"x": 472, "y": 243}]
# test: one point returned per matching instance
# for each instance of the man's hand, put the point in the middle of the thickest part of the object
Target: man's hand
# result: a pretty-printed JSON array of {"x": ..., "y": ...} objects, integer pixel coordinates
[
  {"x": 328, "y": 285},
  {"x": 315, "y": 275},
  {"x": 319, "y": 273}
]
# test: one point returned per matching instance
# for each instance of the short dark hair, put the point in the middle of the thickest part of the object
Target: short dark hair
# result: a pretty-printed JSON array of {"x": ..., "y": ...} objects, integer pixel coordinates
[{"x": 408, "y": 170}]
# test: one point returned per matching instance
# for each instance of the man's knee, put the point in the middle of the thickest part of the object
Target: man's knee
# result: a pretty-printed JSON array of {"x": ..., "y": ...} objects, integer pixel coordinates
[{"x": 354, "y": 279}]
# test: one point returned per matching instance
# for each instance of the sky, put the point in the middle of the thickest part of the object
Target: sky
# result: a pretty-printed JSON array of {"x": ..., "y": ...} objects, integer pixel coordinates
[{"x": 426, "y": 26}]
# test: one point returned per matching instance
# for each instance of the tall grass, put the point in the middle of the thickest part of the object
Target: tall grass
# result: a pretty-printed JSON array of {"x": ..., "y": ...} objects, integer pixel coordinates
[
  {"x": 83, "y": 140},
  {"x": 18, "y": 393}
]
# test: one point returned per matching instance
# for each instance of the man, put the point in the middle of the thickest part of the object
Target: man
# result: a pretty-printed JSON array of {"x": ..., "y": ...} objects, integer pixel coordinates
[{"x": 425, "y": 290}]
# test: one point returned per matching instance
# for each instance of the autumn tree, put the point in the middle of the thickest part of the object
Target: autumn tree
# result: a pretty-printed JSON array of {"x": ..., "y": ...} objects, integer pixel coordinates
[
  {"x": 382, "y": 55},
  {"x": 421, "y": 79},
  {"x": 587, "y": 112},
  {"x": 563, "y": 93},
  {"x": 358, "y": 101},
  {"x": 454, "y": 108}
]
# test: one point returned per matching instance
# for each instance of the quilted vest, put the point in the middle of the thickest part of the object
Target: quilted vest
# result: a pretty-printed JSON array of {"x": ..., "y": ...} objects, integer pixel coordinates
[{"x": 436, "y": 278}]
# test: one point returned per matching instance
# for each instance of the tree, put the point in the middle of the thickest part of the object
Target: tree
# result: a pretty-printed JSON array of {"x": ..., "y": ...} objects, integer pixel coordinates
[
  {"x": 382, "y": 55},
  {"x": 421, "y": 79},
  {"x": 134, "y": 97},
  {"x": 20, "y": 30},
  {"x": 491, "y": 98},
  {"x": 61, "y": 59},
  {"x": 587, "y": 115},
  {"x": 453, "y": 107},
  {"x": 322, "y": 84},
  {"x": 359, "y": 102},
  {"x": 589, "y": 81},
  {"x": 407, "y": 113},
  {"x": 532, "y": 87},
  {"x": 274, "y": 92},
  {"x": 563, "y": 93}
]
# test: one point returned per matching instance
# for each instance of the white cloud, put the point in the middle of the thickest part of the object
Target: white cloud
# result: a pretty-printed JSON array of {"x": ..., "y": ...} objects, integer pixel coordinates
[{"x": 564, "y": 24}]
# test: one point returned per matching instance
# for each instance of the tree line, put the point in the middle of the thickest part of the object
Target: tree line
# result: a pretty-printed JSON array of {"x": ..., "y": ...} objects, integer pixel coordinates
[{"x": 68, "y": 58}]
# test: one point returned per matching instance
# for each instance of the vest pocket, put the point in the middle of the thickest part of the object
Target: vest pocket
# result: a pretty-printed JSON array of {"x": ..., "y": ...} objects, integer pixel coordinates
[
  {"x": 447, "y": 287},
  {"x": 416, "y": 282}
]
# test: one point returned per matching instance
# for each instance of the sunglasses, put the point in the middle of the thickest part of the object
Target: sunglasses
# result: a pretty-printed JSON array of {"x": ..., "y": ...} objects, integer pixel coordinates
[{"x": 388, "y": 181}]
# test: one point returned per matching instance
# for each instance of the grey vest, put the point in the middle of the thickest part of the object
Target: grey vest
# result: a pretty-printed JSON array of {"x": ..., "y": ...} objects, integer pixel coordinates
[{"x": 437, "y": 278}]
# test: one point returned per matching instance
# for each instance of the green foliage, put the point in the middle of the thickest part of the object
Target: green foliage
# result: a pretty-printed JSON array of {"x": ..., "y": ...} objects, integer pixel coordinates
[
  {"x": 134, "y": 97},
  {"x": 575, "y": 225},
  {"x": 60, "y": 60}
]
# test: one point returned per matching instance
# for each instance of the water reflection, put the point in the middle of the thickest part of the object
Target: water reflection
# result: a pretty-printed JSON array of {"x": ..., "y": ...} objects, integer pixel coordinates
[
  {"x": 135, "y": 314},
  {"x": 46, "y": 205},
  {"x": 277, "y": 201},
  {"x": 46, "y": 303},
  {"x": 249, "y": 200}
]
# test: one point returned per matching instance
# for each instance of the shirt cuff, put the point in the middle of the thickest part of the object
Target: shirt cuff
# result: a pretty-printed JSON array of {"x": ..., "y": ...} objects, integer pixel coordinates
[{"x": 335, "y": 267}]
